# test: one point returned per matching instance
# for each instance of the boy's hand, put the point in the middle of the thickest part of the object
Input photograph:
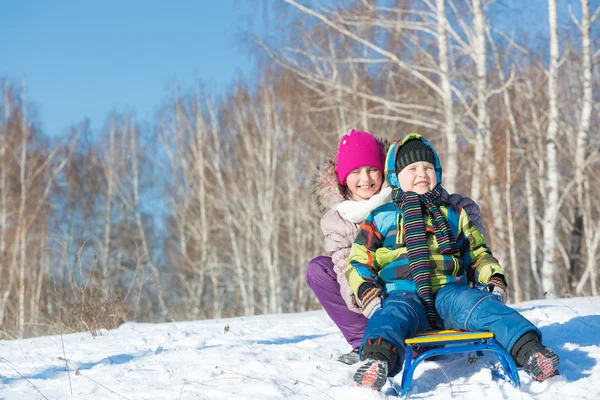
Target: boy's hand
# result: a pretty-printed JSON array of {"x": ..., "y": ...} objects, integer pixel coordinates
[
  {"x": 497, "y": 286},
  {"x": 371, "y": 300}
]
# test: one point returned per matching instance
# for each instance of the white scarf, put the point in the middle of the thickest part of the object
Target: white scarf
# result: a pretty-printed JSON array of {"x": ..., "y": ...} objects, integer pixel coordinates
[{"x": 356, "y": 211}]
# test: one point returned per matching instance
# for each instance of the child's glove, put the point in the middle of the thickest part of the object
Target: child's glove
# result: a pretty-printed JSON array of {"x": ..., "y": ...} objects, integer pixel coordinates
[
  {"x": 370, "y": 298},
  {"x": 497, "y": 286}
]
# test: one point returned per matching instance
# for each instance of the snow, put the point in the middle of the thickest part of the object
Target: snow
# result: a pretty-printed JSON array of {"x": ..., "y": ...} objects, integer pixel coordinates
[{"x": 290, "y": 356}]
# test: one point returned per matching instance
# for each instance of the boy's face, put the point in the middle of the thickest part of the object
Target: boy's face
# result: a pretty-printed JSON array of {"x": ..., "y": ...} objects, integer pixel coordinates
[{"x": 417, "y": 177}]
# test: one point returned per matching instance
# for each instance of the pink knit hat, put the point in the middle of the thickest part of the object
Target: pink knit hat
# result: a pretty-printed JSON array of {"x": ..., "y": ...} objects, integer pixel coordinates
[{"x": 358, "y": 149}]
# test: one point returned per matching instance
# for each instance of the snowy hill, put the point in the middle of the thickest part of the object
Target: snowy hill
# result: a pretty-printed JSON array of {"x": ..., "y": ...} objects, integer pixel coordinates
[{"x": 288, "y": 356}]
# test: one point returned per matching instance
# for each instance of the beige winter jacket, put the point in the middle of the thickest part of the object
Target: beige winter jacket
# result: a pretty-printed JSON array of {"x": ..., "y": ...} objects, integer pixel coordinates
[{"x": 340, "y": 223}]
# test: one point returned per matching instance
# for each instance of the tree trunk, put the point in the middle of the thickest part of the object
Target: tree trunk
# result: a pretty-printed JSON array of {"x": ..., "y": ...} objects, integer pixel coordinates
[
  {"x": 245, "y": 283},
  {"x": 5, "y": 266},
  {"x": 451, "y": 165},
  {"x": 482, "y": 134},
  {"x": 551, "y": 203},
  {"x": 581, "y": 142},
  {"x": 514, "y": 267},
  {"x": 22, "y": 223},
  {"x": 109, "y": 173},
  {"x": 164, "y": 313}
]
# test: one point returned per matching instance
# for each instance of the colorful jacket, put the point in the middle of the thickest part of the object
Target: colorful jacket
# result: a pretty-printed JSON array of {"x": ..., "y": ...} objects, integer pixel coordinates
[
  {"x": 378, "y": 254},
  {"x": 343, "y": 217}
]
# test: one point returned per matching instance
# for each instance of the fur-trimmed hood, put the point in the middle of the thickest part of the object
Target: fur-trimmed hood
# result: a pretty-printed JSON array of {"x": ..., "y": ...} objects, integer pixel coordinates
[{"x": 326, "y": 187}]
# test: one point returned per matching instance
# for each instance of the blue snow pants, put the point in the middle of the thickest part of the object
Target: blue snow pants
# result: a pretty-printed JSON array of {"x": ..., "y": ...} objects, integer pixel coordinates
[{"x": 402, "y": 315}]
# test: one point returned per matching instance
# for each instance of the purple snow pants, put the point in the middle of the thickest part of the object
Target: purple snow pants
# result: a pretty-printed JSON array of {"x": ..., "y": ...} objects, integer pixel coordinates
[{"x": 322, "y": 279}]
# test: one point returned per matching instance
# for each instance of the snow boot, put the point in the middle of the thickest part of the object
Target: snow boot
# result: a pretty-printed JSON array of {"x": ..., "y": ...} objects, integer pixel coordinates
[
  {"x": 350, "y": 358},
  {"x": 540, "y": 363},
  {"x": 537, "y": 360},
  {"x": 380, "y": 359},
  {"x": 371, "y": 374}
]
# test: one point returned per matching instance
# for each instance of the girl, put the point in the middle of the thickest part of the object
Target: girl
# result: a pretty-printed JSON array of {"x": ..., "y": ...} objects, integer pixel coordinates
[{"x": 350, "y": 187}]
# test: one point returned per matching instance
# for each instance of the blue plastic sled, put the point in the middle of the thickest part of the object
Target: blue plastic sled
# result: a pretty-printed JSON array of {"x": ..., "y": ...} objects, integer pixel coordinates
[{"x": 455, "y": 342}]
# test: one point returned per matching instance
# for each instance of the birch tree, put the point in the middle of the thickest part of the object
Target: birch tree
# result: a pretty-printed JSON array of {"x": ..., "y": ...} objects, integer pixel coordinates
[
  {"x": 582, "y": 138},
  {"x": 483, "y": 142},
  {"x": 551, "y": 195},
  {"x": 346, "y": 25},
  {"x": 136, "y": 209},
  {"x": 584, "y": 162},
  {"x": 451, "y": 165},
  {"x": 483, "y": 130},
  {"x": 187, "y": 139},
  {"x": 109, "y": 173},
  {"x": 20, "y": 243},
  {"x": 6, "y": 267},
  {"x": 258, "y": 133},
  {"x": 29, "y": 168}
]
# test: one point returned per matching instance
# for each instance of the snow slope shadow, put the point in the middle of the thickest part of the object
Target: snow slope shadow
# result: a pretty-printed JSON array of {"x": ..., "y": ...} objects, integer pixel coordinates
[
  {"x": 292, "y": 340},
  {"x": 580, "y": 332},
  {"x": 575, "y": 363},
  {"x": 113, "y": 360},
  {"x": 452, "y": 373},
  {"x": 55, "y": 371}
]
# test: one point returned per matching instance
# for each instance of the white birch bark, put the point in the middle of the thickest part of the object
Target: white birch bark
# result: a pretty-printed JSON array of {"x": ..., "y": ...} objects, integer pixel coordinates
[
  {"x": 268, "y": 144},
  {"x": 532, "y": 209},
  {"x": 451, "y": 165},
  {"x": 109, "y": 174},
  {"x": 416, "y": 114},
  {"x": 586, "y": 110},
  {"x": 244, "y": 282},
  {"x": 22, "y": 224},
  {"x": 483, "y": 138},
  {"x": 479, "y": 54},
  {"x": 179, "y": 204},
  {"x": 22, "y": 265},
  {"x": 199, "y": 138},
  {"x": 551, "y": 197},
  {"x": 5, "y": 268},
  {"x": 194, "y": 132},
  {"x": 3, "y": 170},
  {"x": 36, "y": 301},
  {"x": 582, "y": 136},
  {"x": 183, "y": 165},
  {"x": 209, "y": 256},
  {"x": 592, "y": 239},
  {"x": 508, "y": 197},
  {"x": 515, "y": 290},
  {"x": 138, "y": 221},
  {"x": 530, "y": 200}
]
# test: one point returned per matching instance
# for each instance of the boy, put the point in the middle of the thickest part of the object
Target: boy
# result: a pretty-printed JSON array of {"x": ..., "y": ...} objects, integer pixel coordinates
[{"x": 416, "y": 251}]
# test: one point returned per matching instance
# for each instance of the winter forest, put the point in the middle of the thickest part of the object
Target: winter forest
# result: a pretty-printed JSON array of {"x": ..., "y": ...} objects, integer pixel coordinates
[{"x": 210, "y": 213}]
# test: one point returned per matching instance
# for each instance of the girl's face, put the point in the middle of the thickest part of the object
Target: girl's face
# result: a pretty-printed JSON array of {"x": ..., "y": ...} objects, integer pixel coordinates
[
  {"x": 364, "y": 183},
  {"x": 417, "y": 177}
]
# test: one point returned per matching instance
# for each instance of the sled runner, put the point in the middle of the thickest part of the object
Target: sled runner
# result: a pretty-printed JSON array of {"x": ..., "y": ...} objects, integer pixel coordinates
[{"x": 452, "y": 342}]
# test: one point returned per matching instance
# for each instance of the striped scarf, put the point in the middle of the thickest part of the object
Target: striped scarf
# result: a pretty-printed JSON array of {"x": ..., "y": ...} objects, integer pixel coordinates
[{"x": 414, "y": 205}]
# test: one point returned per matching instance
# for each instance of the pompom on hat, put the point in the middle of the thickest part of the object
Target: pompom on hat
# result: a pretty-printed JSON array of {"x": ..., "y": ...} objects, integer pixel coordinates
[{"x": 356, "y": 150}]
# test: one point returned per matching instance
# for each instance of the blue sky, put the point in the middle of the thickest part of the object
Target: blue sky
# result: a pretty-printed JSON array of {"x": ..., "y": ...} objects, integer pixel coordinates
[{"x": 87, "y": 58}]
